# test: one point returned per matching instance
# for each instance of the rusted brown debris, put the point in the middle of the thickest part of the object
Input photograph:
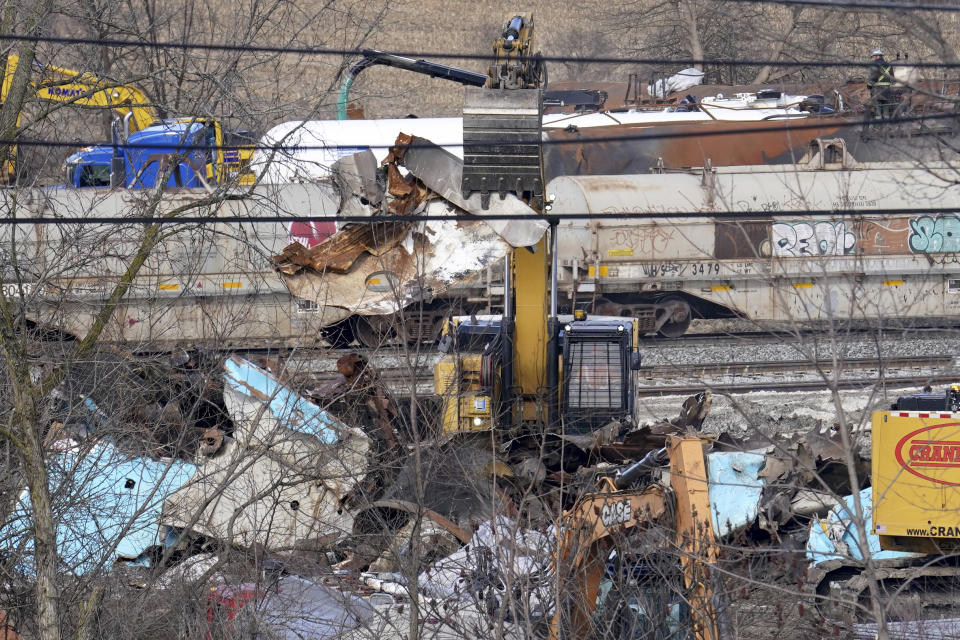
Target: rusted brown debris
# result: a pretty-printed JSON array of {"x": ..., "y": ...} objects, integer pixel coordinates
[{"x": 339, "y": 252}]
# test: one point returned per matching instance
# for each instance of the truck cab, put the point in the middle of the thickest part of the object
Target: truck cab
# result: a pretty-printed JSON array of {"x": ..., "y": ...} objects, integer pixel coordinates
[{"x": 196, "y": 145}]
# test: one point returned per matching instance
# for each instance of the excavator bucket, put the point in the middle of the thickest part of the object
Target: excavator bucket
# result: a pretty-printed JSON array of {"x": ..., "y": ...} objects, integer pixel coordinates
[{"x": 501, "y": 144}]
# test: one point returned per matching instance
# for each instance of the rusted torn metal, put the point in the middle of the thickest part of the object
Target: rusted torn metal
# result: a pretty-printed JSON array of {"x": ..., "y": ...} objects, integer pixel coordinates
[
  {"x": 377, "y": 268},
  {"x": 339, "y": 252},
  {"x": 356, "y": 180}
]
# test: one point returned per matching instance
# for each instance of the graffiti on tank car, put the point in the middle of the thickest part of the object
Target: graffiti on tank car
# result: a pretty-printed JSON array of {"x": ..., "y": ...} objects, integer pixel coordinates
[
  {"x": 940, "y": 234},
  {"x": 645, "y": 239},
  {"x": 883, "y": 236},
  {"x": 770, "y": 206},
  {"x": 796, "y": 239}
]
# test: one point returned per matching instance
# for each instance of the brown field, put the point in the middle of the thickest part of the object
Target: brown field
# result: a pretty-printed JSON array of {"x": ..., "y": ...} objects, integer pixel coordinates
[{"x": 467, "y": 27}]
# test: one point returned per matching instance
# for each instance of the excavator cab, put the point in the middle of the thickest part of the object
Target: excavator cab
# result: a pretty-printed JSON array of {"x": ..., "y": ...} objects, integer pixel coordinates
[
  {"x": 599, "y": 362},
  {"x": 597, "y": 357},
  {"x": 467, "y": 378}
]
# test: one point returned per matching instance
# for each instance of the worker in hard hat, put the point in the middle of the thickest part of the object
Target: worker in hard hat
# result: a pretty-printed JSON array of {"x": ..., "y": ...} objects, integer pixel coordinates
[{"x": 879, "y": 81}]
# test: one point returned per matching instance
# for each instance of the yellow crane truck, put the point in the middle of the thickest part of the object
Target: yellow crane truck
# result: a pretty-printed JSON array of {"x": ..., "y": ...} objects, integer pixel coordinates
[{"x": 916, "y": 473}]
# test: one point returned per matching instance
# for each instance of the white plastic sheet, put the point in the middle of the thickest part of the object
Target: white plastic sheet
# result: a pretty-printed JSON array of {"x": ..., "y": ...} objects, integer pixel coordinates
[
  {"x": 500, "y": 557},
  {"x": 680, "y": 81}
]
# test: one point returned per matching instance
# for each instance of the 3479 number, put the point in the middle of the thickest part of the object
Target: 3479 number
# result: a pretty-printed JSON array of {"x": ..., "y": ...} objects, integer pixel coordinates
[{"x": 706, "y": 269}]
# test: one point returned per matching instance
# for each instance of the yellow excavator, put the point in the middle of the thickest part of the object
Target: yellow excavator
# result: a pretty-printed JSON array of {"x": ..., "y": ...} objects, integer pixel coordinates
[
  {"x": 57, "y": 84},
  {"x": 532, "y": 370},
  {"x": 135, "y": 111},
  {"x": 503, "y": 372}
]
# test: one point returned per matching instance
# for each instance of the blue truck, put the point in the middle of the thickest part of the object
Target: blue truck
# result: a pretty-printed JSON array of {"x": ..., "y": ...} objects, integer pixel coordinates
[{"x": 202, "y": 152}]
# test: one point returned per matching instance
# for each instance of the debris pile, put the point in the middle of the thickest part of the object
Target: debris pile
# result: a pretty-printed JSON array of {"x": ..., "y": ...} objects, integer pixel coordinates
[
  {"x": 347, "y": 515},
  {"x": 307, "y": 509}
]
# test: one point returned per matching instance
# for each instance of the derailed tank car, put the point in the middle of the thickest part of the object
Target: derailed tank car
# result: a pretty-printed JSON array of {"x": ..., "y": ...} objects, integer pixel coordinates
[
  {"x": 209, "y": 283},
  {"x": 829, "y": 239}
]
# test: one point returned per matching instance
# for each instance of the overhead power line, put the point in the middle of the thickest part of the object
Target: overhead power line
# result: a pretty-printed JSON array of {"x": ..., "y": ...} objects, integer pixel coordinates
[
  {"x": 649, "y": 133},
  {"x": 321, "y": 51},
  {"x": 460, "y": 217},
  {"x": 863, "y": 4}
]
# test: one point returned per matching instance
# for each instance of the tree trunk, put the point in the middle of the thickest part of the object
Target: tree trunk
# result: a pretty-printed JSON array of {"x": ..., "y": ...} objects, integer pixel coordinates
[
  {"x": 688, "y": 15},
  {"x": 44, "y": 525}
]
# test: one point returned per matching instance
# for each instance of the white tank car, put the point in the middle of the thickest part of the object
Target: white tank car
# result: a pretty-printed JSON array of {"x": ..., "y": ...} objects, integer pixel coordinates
[
  {"x": 749, "y": 251},
  {"x": 739, "y": 241},
  {"x": 304, "y": 150},
  {"x": 209, "y": 284}
]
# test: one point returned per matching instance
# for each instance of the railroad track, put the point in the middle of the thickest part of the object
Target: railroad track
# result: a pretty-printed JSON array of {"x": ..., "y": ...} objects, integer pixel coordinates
[
  {"x": 769, "y": 367},
  {"x": 822, "y": 384},
  {"x": 749, "y": 338},
  {"x": 729, "y": 377}
]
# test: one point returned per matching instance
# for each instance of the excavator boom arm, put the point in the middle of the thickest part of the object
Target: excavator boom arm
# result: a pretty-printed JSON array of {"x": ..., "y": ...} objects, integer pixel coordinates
[
  {"x": 587, "y": 534},
  {"x": 58, "y": 84}
]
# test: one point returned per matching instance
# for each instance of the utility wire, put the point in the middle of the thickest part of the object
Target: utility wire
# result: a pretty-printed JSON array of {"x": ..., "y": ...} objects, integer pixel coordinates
[
  {"x": 858, "y": 4},
  {"x": 793, "y": 124},
  {"x": 320, "y": 51},
  {"x": 461, "y": 217}
]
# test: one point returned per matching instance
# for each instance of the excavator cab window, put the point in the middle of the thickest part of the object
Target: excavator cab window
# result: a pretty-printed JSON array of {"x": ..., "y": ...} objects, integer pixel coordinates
[
  {"x": 469, "y": 336},
  {"x": 596, "y": 374}
]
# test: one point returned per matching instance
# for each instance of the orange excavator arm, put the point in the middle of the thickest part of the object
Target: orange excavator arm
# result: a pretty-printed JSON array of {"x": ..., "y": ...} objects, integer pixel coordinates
[{"x": 589, "y": 531}]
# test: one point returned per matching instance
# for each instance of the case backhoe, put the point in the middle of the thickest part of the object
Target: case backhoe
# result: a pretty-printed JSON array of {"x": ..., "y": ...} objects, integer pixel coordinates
[{"x": 609, "y": 519}]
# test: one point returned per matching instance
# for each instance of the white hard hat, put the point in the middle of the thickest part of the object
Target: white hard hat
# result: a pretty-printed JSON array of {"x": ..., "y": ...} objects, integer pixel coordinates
[{"x": 877, "y": 52}]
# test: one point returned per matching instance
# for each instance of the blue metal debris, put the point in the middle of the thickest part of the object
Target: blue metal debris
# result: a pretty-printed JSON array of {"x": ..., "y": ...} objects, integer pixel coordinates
[
  {"x": 836, "y": 537},
  {"x": 735, "y": 488},
  {"x": 107, "y": 505},
  {"x": 258, "y": 388}
]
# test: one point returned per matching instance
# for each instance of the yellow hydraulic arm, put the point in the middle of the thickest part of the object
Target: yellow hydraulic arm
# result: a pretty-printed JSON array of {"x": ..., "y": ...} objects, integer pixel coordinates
[
  {"x": 57, "y": 84},
  {"x": 514, "y": 66},
  {"x": 587, "y": 534}
]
